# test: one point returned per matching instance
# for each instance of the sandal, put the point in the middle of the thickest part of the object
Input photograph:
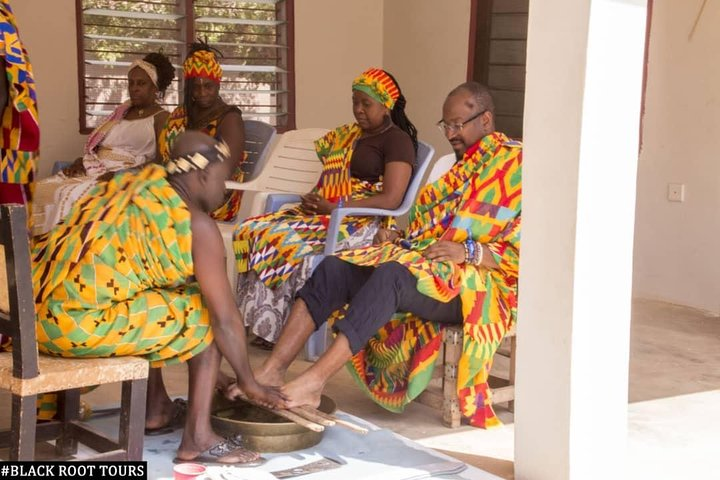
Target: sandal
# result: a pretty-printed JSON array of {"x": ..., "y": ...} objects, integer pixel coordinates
[
  {"x": 180, "y": 407},
  {"x": 231, "y": 446},
  {"x": 262, "y": 343}
]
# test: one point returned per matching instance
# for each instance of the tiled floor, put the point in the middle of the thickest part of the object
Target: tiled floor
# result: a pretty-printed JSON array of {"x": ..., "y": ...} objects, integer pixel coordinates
[{"x": 675, "y": 354}]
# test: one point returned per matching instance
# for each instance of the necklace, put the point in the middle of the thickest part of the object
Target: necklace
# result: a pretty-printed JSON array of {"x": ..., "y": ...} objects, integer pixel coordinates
[{"x": 140, "y": 112}]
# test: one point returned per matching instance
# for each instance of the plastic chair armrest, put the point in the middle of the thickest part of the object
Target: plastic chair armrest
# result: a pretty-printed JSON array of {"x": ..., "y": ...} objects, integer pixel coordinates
[
  {"x": 276, "y": 200},
  {"x": 339, "y": 214}
]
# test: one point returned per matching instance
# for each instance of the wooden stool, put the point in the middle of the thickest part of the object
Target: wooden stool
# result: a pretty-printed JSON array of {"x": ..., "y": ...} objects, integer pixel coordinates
[{"x": 442, "y": 391}]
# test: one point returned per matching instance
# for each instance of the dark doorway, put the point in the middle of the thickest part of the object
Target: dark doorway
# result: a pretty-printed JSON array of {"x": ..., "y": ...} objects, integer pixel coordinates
[{"x": 498, "y": 42}]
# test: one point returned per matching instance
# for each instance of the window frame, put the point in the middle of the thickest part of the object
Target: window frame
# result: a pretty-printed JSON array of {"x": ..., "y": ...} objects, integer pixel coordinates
[{"x": 287, "y": 14}]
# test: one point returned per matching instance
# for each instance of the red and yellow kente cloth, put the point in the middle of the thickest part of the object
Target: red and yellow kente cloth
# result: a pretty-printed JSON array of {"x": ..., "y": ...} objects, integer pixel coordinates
[
  {"x": 114, "y": 279},
  {"x": 479, "y": 197},
  {"x": 274, "y": 245},
  {"x": 176, "y": 124},
  {"x": 20, "y": 139}
]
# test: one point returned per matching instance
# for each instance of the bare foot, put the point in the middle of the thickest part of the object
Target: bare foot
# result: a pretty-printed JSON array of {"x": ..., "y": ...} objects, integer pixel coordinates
[
  {"x": 223, "y": 382},
  {"x": 301, "y": 392},
  {"x": 269, "y": 377},
  {"x": 159, "y": 413}
]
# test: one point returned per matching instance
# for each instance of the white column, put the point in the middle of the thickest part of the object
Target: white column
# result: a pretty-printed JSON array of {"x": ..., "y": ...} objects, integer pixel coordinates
[{"x": 582, "y": 111}]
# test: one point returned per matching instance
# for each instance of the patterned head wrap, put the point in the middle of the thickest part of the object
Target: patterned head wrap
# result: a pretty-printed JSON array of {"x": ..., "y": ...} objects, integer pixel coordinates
[
  {"x": 202, "y": 64},
  {"x": 198, "y": 160},
  {"x": 378, "y": 84},
  {"x": 148, "y": 68}
]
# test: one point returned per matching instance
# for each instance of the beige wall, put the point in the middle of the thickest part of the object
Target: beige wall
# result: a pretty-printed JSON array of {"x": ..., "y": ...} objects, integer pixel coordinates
[
  {"x": 334, "y": 42},
  {"x": 425, "y": 48},
  {"x": 48, "y": 30},
  {"x": 677, "y": 254}
]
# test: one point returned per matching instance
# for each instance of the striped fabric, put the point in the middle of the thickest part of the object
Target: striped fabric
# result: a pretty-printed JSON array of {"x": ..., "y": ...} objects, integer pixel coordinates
[
  {"x": 176, "y": 124},
  {"x": 113, "y": 279},
  {"x": 20, "y": 139},
  {"x": 480, "y": 198}
]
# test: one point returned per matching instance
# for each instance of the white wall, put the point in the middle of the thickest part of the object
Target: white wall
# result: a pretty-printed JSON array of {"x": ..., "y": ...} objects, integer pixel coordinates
[
  {"x": 677, "y": 253},
  {"x": 426, "y": 49},
  {"x": 48, "y": 31}
]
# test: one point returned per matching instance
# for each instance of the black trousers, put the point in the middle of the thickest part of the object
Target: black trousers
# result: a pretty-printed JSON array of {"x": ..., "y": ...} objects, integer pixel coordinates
[{"x": 375, "y": 294}]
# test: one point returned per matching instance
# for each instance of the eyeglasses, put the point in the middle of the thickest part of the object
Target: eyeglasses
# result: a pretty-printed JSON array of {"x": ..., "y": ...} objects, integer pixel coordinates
[{"x": 457, "y": 127}]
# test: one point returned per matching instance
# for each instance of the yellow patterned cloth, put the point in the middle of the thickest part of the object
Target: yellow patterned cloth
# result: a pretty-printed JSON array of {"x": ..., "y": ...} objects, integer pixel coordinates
[
  {"x": 20, "y": 138},
  {"x": 275, "y": 244},
  {"x": 116, "y": 277},
  {"x": 479, "y": 198},
  {"x": 176, "y": 124}
]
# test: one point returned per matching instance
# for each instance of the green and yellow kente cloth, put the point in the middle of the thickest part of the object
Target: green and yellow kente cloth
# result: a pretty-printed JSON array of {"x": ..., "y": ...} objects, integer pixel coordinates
[
  {"x": 176, "y": 124},
  {"x": 115, "y": 277},
  {"x": 480, "y": 197},
  {"x": 274, "y": 245},
  {"x": 20, "y": 138}
]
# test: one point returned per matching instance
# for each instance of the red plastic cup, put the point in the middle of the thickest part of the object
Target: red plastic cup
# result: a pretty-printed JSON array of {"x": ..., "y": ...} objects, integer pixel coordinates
[{"x": 188, "y": 471}]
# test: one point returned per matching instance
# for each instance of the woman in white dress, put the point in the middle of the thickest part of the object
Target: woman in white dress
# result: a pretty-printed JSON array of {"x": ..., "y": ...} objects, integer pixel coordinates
[{"x": 125, "y": 139}]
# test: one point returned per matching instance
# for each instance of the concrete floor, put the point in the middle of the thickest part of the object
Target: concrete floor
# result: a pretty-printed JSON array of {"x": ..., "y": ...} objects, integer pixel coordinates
[{"x": 674, "y": 357}]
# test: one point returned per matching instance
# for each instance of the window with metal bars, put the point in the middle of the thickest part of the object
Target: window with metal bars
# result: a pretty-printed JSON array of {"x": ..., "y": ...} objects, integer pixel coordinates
[{"x": 254, "y": 38}]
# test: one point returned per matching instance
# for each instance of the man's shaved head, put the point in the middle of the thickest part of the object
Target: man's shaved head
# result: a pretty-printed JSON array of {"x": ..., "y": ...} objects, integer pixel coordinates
[{"x": 194, "y": 150}]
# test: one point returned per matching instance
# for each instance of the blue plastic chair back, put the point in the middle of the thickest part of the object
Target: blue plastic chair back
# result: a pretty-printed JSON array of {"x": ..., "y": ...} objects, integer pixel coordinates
[{"x": 258, "y": 138}]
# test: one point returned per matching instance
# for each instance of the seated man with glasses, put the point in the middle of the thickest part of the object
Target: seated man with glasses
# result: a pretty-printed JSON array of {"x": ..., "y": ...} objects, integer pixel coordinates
[{"x": 457, "y": 263}]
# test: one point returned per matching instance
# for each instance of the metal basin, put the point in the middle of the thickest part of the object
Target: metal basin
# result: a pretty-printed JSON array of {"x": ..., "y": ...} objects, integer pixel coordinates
[{"x": 263, "y": 431}]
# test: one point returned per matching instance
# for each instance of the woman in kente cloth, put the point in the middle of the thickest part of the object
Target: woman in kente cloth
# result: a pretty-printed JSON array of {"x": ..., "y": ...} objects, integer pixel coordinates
[
  {"x": 204, "y": 109},
  {"x": 368, "y": 163}
]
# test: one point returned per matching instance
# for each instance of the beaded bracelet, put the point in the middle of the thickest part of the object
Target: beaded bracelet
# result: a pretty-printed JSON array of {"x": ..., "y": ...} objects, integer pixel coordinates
[
  {"x": 479, "y": 254},
  {"x": 473, "y": 252},
  {"x": 470, "y": 251}
]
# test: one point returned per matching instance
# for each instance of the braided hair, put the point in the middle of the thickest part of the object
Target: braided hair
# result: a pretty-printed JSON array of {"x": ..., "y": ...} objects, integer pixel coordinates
[
  {"x": 163, "y": 67},
  {"x": 398, "y": 116},
  {"x": 196, "y": 46}
]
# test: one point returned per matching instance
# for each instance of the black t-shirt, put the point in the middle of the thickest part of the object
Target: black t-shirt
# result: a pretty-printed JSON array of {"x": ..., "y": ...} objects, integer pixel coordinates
[{"x": 372, "y": 153}]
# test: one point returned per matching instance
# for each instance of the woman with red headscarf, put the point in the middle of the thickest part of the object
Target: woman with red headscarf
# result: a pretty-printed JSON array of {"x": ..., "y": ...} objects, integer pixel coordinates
[
  {"x": 367, "y": 163},
  {"x": 203, "y": 109}
]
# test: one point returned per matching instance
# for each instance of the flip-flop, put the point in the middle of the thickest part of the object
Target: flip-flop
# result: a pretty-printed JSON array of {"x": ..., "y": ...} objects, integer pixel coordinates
[
  {"x": 177, "y": 421},
  {"x": 211, "y": 456}
]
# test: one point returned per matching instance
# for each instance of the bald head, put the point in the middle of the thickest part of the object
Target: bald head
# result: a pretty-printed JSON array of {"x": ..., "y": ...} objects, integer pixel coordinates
[
  {"x": 468, "y": 116},
  {"x": 190, "y": 142},
  {"x": 194, "y": 150},
  {"x": 476, "y": 95}
]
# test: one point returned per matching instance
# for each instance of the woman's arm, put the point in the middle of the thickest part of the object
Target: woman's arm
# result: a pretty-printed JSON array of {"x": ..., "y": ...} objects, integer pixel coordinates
[
  {"x": 232, "y": 131},
  {"x": 396, "y": 179},
  {"x": 395, "y": 182},
  {"x": 159, "y": 126}
]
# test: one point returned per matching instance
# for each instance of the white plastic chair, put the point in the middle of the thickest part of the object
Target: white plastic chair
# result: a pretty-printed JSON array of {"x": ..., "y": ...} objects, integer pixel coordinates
[
  {"x": 318, "y": 341},
  {"x": 259, "y": 137},
  {"x": 292, "y": 165}
]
